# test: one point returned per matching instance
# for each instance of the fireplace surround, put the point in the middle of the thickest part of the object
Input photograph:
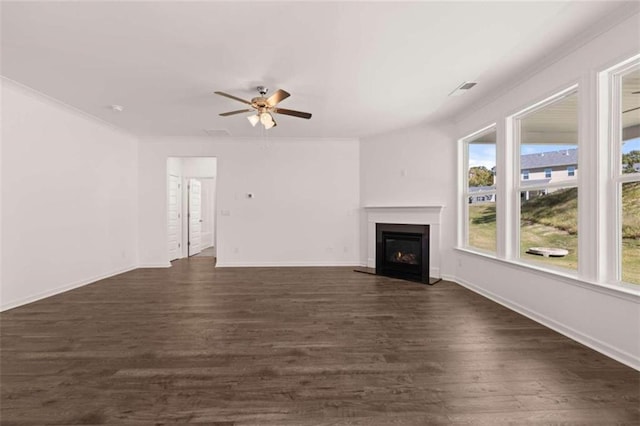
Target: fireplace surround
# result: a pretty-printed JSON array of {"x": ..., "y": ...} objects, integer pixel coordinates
[{"x": 409, "y": 215}]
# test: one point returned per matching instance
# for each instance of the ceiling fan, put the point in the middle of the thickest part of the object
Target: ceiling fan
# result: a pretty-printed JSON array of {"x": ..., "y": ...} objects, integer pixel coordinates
[{"x": 264, "y": 107}]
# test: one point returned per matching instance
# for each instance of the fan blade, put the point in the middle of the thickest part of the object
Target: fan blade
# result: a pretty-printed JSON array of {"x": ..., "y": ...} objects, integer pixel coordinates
[
  {"x": 240, "y": 111},
  {"x": 632, "y": 109},
  {"x": 277, "y": 97},
  {"x": 292, "y": 112},
  {"x": 232, "y": 97}
]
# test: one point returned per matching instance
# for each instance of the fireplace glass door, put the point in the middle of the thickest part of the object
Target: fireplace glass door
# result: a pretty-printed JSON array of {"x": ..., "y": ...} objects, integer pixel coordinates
[{"x": 402, "y": 251}]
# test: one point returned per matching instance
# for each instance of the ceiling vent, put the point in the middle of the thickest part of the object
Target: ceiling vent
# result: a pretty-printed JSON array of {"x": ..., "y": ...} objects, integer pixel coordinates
[
  {"x": 460, "y": 90},
  {"x": 217, "y": 133}
]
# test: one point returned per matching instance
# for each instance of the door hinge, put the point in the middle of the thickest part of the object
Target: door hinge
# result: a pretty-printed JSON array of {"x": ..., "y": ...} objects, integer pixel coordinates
[{"x": 189, "y": 243}]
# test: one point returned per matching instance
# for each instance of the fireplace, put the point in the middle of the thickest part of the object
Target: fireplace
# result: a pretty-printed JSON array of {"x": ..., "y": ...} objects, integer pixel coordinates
[
  {"x": 402, "y": 251},
  {"x": 420, "y": 215}
]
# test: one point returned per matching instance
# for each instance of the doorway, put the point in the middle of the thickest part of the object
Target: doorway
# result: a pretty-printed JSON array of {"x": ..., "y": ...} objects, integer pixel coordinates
[{"x": 191, "y": 207}]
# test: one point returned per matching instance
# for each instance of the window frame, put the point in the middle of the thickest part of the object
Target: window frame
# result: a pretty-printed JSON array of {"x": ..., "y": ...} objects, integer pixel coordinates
[{"x": 610, "y": 115}]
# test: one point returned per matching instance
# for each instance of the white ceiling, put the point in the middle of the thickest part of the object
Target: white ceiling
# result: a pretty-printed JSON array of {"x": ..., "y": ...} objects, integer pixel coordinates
[{"x": 361, "y": 68}]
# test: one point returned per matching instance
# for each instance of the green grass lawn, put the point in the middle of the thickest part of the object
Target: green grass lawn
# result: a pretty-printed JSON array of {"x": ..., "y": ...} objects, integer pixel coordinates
[
  {"x": 482, "y": 226},
  {"x": 551, "y": 221},
  {"x": 631, "y": 260},
  {"x": 631, "y": 232}
]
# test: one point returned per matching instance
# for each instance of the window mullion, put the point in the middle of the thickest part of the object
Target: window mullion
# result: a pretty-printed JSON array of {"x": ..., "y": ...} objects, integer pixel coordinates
[
  {"x": 588, "y": 251},
  {"x": 507, "y": 201}
]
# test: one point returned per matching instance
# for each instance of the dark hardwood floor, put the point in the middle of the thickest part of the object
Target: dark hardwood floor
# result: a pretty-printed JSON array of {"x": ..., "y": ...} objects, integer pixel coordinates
[{"x": 295, "y": 346}]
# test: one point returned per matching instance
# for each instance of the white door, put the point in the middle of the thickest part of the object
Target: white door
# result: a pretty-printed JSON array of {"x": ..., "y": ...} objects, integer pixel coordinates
[
  {"x": 207, "y": 199},
  {"x": 173, "y": 217},
  {"x": 195, "y": 217}
]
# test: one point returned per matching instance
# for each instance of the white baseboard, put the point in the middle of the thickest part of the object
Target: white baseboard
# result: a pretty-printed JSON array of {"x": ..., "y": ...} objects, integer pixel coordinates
[
  {"x": 155, "y": 265},
  {"x": 284, "y": 264},
  {"x": 593, "y": 343},
  {"x": 62, "y": 289}
]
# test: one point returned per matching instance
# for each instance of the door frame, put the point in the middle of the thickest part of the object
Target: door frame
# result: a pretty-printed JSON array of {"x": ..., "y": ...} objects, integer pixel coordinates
[
  {"x": 184, "y": 253},
  {"x": 179, "y": 211}
]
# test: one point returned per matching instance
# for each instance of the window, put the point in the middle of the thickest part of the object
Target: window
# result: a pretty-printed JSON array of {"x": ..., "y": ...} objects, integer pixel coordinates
[
  {"x": 538, "y": 201},
  {"x": 627, "y": 181},
  {"x": 547, "y": 137},
  {"x": 479, "y": 226}
]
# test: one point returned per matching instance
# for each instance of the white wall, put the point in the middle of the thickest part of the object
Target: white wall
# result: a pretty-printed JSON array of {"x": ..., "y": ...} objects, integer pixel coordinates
[
  {"x": 606, "y": 320},
  {"x": 174, "y": 166},
  {"x": 304, "y": 211},
  {"x": 199, "y": 167},
  {"x": 69, "y": 197},
  {"x": 603, "y": 319}
]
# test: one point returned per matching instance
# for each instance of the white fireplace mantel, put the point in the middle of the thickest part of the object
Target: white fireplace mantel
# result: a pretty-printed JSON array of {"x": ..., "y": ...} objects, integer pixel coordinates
[{"x": 410, "y": 215}]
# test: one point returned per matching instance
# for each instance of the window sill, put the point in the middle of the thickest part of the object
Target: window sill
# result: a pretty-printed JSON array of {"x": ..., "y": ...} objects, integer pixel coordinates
[{"x": 623, "y": 291}]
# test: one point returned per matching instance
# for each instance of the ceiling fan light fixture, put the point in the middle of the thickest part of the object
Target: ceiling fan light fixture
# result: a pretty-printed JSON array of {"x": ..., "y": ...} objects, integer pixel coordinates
[
  {"x": 253, "y": 119},
  {"x": 269, "y": 125},
  {"x": 265, "y": 118}
]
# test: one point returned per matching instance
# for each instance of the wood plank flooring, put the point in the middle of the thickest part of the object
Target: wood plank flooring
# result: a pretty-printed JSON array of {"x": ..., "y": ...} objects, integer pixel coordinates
[{"x": 295, "y": 346}]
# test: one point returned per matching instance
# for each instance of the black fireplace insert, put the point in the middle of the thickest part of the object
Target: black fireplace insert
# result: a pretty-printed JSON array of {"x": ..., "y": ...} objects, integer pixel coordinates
[{"x": 402, "y": 251}]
